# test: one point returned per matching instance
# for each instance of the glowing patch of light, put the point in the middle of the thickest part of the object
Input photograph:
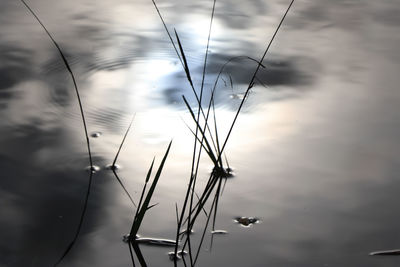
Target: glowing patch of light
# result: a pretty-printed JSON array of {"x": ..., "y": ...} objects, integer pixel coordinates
[
  {"x": 155, "y": 69},
  {"x": 159, "y": 125},
  {"x": 199, "y": 27}
]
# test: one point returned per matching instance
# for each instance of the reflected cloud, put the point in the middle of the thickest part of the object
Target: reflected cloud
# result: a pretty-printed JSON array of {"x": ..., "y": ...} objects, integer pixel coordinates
[
  {"x": 279, "y": 70},
  {"x": 293, "y": 73},
  {"x": 387, "y": 14},
  {"x": 41, "y": 195},
  {"x": 325, "y": 199},
  {"x": 16, "y": 66}
]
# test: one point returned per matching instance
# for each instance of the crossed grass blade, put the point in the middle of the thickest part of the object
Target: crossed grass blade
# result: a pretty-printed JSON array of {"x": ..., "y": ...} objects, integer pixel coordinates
[
  {"x": 210, "y": 152},
  {"x": 139, "y": 254},
  {"x": 214, "y": 206}
]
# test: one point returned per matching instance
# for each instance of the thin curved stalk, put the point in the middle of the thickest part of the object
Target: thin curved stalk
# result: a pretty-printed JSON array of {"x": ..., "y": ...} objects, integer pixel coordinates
[{"x": 67, "y": 65}]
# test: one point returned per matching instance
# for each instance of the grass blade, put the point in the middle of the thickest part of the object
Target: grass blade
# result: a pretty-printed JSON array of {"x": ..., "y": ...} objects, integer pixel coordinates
[
  {"x": 123, "y": 187},
  {"x": 131, "y": 253},
  {"x": 67, "y": 65},
  {"x": 186, "y": 66},
  {"x": 140, "y": 215},
  {"x": 113, "y": 166},
  {"x": 122, "y": 143},
  {"x": 139, "y": 254},
  {"x": 72, "y": 243},
  {"x": 166, "y": 29},
  {"x": 144, "y": 187}
]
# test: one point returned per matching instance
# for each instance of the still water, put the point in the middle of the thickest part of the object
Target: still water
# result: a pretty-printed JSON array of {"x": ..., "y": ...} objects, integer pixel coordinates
[{"x": 316, "y": 150}]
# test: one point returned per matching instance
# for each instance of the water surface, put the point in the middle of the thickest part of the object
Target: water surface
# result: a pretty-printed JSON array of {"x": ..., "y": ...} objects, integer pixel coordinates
[{"x": 315, "y": 150}]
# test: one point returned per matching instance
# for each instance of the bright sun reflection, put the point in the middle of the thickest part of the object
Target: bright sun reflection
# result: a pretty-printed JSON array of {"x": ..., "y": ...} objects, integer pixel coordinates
[
  {"x": 199, "y": 27},
  {"x": 158, "y": 68}
]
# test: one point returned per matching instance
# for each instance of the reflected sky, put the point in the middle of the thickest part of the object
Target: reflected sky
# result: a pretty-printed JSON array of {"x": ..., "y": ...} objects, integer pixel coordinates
[{"x": 315, "y": 151}]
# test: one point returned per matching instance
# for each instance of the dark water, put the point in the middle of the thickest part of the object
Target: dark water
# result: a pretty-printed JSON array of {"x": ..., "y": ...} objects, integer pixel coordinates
[{"x": 316, "y": 151}]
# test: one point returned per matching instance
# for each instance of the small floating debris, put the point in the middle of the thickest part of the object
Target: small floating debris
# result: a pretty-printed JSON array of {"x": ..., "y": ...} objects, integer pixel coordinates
[
  {"x": 156, "y": 241},
  {"x": 172, "y": 256},
  {"x": 126, "y": 238},
  {"x": 96, "y": 134},
  {"x": 184, "y": 232},
  {"x": 223, "y": 172},
  {"x": 393, "y": 252},
  {"x": 247, "y": 221},
  {"x": 92, "y": 169},
  {"x": 236, "y": 96},
  {"x": 114, "y": 167},
  {"x": 150, "y": 241},
  {"x": 219, "y": 232}
]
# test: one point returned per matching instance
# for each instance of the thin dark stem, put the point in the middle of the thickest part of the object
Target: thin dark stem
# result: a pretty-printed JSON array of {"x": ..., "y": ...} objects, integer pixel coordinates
[
  {"x": 67, "y": 65},
  {"x": 72, "y": 76},
  {"x": 123, "y": 141},
  {"x": 113, "y": 166},
  {"x": 139, "y": 254},
  {"x": 130, "y": 251},
  {"x": 181, "y": 58},
  {"x": 80, "y": 221},
  {"x": 205, "y": 127},
  {"x": 214, "y": 205},
  {"x": 123, "y": 187},
  {"x": 169, "y": 34}
]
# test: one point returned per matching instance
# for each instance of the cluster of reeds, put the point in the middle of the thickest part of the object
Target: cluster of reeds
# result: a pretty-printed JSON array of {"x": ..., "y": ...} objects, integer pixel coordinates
[{"x": 206, "y": 137}]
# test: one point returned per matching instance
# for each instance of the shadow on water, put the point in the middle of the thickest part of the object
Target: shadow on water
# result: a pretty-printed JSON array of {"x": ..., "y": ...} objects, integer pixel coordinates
[{"x": 42, "y": 210}]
